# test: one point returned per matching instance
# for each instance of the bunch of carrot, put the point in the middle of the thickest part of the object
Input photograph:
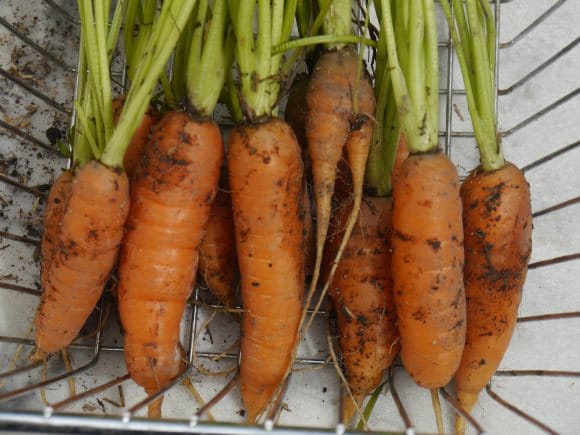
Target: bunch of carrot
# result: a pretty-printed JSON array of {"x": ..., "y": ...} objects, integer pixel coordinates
[{"x": 397, "y": 242}]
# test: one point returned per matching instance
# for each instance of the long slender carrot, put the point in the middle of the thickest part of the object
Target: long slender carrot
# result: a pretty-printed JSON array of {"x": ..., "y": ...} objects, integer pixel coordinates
[
  {"x": 218, "y": 261},
  {"x": 496, "y": 213},
  {"x": 87, "y": 248},
  {"x": 53, "y": 214},
  {"x": 171, "y": 196}
]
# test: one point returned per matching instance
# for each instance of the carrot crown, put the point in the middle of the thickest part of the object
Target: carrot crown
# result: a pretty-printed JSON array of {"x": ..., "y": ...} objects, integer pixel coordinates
[
  {"x": 411, "y": 46},
  {"x": 258, "y": 67},
  {"x": 472, "y": 28}
]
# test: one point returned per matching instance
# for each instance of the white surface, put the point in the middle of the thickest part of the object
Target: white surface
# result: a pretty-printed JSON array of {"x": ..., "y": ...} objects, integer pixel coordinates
[{"x": 312, "y": 397}]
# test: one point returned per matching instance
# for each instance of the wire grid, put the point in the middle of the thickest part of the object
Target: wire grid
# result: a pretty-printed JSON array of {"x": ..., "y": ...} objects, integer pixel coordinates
[{"x": 94, "y": 352}]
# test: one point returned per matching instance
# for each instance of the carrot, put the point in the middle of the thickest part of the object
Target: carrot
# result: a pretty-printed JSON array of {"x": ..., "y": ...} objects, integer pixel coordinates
[
  {"x": 265, "y": 176},
  {"x": 363, "y": 301},
  {"x": 171, "y": 196},
  {"x": 87, "y": 248},
  {"x": 402, "y": 154},
  {"x": 266, "y": 180},
  {"x": 428, "y": 257},
  {"x": 172, "y": 191},
  {"x": 53, "y": 214},
  {"x": 135, "y": 148},
  {"x": 496, "y": 214},
  {"x": 218, "y": 262}
]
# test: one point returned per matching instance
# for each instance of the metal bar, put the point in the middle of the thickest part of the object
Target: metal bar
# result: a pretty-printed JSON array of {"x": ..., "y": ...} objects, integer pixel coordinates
[
  {"x": 540, "y": 68},
  {"x": 532, "y": 25},
  {"x": 219, "y": 396},
  {"x": 43, "y": 51},
  {"x": 409, "y": 429},
  {"x": 550, "y": 373},
  {"x": 557, "y": 207},
  {"x": 449, "y": 105},
  {"x": 551, "y": 156},
  {"x": 519, "y": 412},
  {"x": 17, "y": 238},
  {"x": 34, "y": 91},
  {"x": 19, "y": 370},
  {"x": 19, "y": 185},
  {"x": 28, "y": 137},
  {"x": 555, "y": 260},
  {"x": 103, "y": 387},
  {"x": 553, "y": 316},
  {"x": 20, "y": 289},
  {"x": 62, "y": 11},
  {"x": 542, "y": 112},
  {"x": 480, "y": 430}
]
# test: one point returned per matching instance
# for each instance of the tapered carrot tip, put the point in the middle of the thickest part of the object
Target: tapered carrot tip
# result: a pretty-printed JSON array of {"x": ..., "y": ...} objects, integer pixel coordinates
[
  {"x": 154, "y": 408},
  {"x": 349, "y": 408},
  {"x": 37, "y": 355},
  {"x": 467, "y": 401}
]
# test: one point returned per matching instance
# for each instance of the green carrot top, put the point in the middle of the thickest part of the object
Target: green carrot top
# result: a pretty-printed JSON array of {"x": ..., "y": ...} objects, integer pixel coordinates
[{"x": 474, "y": 36}]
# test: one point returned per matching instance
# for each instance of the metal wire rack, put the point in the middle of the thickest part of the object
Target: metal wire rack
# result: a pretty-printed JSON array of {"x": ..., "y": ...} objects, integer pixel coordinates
[{"x": 38, "y": 52}]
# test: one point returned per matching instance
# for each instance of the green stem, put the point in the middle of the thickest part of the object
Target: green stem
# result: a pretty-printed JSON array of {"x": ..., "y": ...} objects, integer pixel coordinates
[
  {"x": 164, "y": 36},
  {"x": 323, "y": 39},
  {"x": 101, "y": 22},
  {"x": 479, "y": 101},
  {"x": 338, "y": 21},
  {"x": 370, "y": 406},
  {"x": 431, "y": 72}
]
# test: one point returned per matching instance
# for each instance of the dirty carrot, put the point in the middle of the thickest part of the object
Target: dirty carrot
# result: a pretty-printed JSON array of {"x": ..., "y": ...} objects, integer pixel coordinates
[
  {"x": 496, "y": 213},
  {"x": 265, "y": 172},
  {"x": 171, "y": 195},
  {"x": 427, "y": 242}
]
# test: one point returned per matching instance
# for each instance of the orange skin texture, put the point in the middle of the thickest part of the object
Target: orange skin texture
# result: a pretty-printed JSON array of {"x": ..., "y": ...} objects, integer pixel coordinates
[
  {"x": 53, "y": 213},
  {"x": 218, "y": 261},
  {"x": 427, "y": 267},
  {"x": 363, "y": 300},
  {"x": 402, "y": 154},
  {"x": 139, "y": 139},
  {"x": 330, "y": 122},
  {"x": 171, "y": 195},
  {"x": 265, "y": 173},
  {"x": 87, "y": 248},
  {"x": 498, "y": 242}
]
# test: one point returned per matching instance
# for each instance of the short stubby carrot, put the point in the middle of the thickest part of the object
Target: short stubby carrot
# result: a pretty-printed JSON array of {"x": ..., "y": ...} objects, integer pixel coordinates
[
  {"x": 498, "y": 227},
  {"x": 53, "y": 214},
  {"x": 218, "y": 261},
  {"x": 427, "y": 267},
  {"x": 266, "y": 184},
  {"x": 171, "y": 195},
  {"x": 135, "y": 148},
  {"x": 87, "y": 248},
  {"x": 363, "y": 300}
]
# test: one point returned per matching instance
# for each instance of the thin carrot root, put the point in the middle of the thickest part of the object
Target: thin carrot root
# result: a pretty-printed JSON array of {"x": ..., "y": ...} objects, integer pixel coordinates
[
  {"x": 467, "y": 401},
  {"x": 38, "y": 355},
  {"x": 68, "y": 366},
  {"x": 154, "y": 408},
  {"x": 437, "y": 410},
  {"x": 198, "y": 397}
]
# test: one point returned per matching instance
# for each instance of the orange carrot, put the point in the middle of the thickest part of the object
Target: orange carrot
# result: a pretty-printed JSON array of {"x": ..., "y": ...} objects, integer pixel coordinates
[
  {"x": 331, "y": 125},
  {"x": 498, "y": 226},
  {"x": 218, "y": 261},
  {"x": 53, "y": 214},
  {"x": 363, "y": 301},
  {"x": 402, "y": 154},
  {"x": 427, "y": 268},
  {"x": 266, "y": 183},
  {"x": 171, "y": 195},
  {"x": 135, "y": 148},
  {"x": 87, "y": 247}
]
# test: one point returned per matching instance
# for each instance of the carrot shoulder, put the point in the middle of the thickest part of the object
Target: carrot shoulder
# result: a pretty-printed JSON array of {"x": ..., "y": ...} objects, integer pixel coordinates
[
  {"x": 171, "y": 195},
  {"x": 87, "y": 248},
  {"x": 427, "y": 268},
  {"x": 266, "y": 183},
  {"x": 498, "y": 227}
]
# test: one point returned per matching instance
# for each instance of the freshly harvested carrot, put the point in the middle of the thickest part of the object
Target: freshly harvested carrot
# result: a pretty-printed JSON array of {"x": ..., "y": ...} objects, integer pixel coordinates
[
  {"x": 427, "y": 268},
  {"x": 402, "y": 154},
  {"x": 53, "y": 214},
  {"x": 498, "y": 228},
  {"x": 265, "y": 177},
  {"x": 218, "y": 261},
  {"x": 428, "y": 257},
  {"x": 363, "y": 301},
  {"x": 171, "y": 195},
  {"x": 135, "y": 148},
  {"x": 87, "y": 247},
  {"x": 496, "y": 213}
]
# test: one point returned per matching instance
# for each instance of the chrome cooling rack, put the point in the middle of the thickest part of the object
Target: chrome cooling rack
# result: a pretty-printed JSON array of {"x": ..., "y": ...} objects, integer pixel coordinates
[{"x": 535, "y": 389}]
